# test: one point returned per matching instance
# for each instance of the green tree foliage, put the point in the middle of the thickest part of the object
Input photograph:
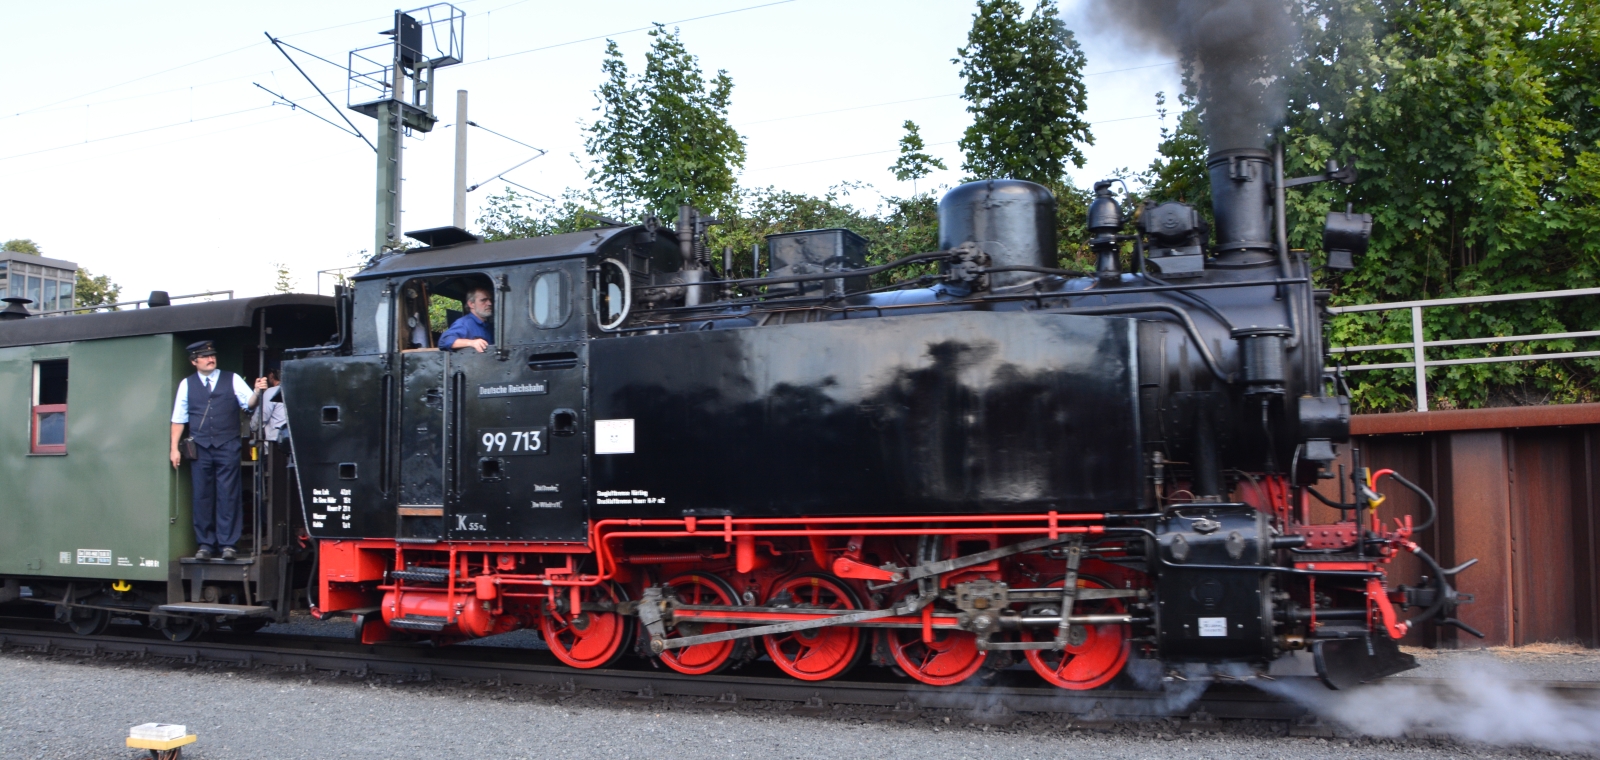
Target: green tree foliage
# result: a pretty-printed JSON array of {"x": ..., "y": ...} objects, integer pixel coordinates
[
  {"x": 515, "y": 215},
  {"x": 95, "y": 290},
  {"x": 1179, "y": 171},
  {"x": 914, "y": 162},
  {"x": 21, "y": 245},
  {"x": 898, "y": 227},
  {"x": 663, "y": 138},
  {"x": 1025, "y": 92},
  {"x": 1475, "y": 125},
  {"x": 285, "y": 281}
]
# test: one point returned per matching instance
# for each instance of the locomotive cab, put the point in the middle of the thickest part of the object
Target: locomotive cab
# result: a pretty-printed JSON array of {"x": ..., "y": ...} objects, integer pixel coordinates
[{"x": 463, "y": 445}]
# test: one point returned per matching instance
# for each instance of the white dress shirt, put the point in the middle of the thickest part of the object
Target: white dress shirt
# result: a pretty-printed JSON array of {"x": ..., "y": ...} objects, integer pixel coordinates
[
  {"x": 180, "y": 407},
  {"x": 274, "y": 415}
]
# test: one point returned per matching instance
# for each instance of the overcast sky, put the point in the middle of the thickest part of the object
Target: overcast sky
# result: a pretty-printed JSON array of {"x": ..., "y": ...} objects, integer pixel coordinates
[{"x": 134, "y": 141}]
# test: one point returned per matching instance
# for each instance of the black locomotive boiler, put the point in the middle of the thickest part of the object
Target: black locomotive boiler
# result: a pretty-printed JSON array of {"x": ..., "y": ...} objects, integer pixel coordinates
[{"x": 998, "y": 462}]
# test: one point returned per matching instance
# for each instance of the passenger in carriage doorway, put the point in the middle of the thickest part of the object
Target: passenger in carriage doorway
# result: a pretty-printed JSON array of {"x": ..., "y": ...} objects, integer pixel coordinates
[
  {"x": 475, "y": 329},
  {"x": 209, "y": 402},
  {"x": 274, "y": 415}
]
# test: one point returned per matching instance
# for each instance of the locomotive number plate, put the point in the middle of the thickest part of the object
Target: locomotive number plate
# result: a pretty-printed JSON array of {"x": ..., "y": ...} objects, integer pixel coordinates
[{"x": 512, "y": 441}]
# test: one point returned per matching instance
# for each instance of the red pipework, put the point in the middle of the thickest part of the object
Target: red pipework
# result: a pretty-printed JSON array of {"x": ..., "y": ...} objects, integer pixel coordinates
[
  {"x": 602, "y": 540},
  {"x": 744, "y": 548},
  {"x": 1391, "y": 622},
  {"x": 880, "y": 519}
]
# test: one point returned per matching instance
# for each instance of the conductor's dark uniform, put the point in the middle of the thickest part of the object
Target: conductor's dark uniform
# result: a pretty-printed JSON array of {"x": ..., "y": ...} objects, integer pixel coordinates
[{"x": 211, "y": 406}]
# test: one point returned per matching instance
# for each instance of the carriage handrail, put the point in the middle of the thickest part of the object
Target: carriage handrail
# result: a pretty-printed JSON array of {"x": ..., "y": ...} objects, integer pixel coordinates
[
  {"x": 120, "y": 304},
  {"x": 1419, "y": 361}
]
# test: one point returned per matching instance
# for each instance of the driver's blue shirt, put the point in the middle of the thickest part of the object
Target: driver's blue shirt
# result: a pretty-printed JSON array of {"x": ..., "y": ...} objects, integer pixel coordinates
[{"x": 469, "y": 327}]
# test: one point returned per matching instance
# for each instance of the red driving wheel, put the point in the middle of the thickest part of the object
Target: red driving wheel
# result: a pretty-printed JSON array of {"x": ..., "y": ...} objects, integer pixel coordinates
[
  {"x": 952, "y": 656},
  {"x": 1094, "y": 654},
  {"x": 700, "y": 659},
  {"x": 586, "y": 639},
  {"x": 816, "y": 653}
]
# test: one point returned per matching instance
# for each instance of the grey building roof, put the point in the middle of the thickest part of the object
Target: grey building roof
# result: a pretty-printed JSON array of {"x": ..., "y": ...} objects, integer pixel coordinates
[{"x": 28, "y": 258}]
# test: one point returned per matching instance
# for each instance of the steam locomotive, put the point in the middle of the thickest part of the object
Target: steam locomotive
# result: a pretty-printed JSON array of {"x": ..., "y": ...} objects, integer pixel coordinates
[{"x": 993, "y": 461}]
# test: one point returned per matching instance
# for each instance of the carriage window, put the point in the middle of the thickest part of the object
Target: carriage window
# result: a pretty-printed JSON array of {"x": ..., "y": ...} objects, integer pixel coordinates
[
  {"x": 48, "y": 431},
  {"x": 549, "y": 307}
]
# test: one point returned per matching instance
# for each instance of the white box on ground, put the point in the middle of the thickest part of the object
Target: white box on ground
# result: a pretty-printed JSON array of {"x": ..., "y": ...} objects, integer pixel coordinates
[
  {"x": 613, "y": 436},
  {"x": 158, "y": 732}
]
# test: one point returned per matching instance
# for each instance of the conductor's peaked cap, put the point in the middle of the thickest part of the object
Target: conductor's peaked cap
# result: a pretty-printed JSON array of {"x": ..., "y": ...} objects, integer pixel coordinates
[{"x": 202, "y": 348}]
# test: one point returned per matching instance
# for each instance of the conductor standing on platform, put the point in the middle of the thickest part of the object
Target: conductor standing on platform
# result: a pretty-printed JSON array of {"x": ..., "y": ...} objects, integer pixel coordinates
[{"x": 209, "y": 402}]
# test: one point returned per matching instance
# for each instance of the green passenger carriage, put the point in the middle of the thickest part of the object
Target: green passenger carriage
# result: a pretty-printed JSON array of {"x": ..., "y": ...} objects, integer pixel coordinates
[{"x": 97, "y": 521}]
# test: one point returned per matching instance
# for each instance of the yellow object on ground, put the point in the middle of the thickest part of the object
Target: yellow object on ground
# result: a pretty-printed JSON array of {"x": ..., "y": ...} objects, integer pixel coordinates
[{"x": 166, "y": 745}]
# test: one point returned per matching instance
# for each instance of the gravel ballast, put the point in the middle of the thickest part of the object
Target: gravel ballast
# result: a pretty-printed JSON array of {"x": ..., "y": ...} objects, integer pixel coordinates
[{"x": 75, "y": 707}]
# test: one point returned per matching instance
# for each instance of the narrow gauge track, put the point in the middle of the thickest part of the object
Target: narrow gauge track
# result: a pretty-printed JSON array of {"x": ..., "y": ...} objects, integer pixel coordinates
[
  {"x": 755, "y": 681},
  {"x": 993, "y": 702}
]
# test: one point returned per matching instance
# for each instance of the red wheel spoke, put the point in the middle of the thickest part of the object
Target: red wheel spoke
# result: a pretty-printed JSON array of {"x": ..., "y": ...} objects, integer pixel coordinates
[
  {"x": 952, "y": 656},
  {"x": 817, "y": 653},
  {"x": 597, "y": 642},
  {"x": 1087, "y": 664},
  {"x": 701, "y": 659}
]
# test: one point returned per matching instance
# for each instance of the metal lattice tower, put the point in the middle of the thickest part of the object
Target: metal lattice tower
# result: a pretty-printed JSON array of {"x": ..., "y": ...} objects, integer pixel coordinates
[{"x": 394, "y": 83}]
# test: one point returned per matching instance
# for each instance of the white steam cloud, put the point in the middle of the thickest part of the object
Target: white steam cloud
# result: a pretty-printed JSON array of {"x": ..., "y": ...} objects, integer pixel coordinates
[{"x": 1482, "y": 702}]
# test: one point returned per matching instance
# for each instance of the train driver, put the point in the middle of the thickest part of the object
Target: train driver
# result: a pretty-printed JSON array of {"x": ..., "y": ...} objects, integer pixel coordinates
[
  {"x": 475, "y": 329},
  {"x": 209, "y": 402}
]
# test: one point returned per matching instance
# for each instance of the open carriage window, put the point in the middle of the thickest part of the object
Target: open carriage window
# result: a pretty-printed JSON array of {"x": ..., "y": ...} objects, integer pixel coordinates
[{"x": 48, "y": 431}]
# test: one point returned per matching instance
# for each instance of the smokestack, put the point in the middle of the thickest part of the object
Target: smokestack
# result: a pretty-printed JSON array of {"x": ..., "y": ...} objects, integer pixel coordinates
[
  {"x": 1241, "y": 199},
  {"x": 1239, "y": 50}
]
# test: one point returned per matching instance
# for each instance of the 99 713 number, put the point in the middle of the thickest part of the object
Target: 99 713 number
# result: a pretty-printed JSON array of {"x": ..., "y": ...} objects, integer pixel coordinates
[{"x": 512, "y": 441}]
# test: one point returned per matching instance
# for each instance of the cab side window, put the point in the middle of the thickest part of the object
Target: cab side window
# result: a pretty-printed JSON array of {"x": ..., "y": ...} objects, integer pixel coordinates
[{"x": 549, "y": 304}]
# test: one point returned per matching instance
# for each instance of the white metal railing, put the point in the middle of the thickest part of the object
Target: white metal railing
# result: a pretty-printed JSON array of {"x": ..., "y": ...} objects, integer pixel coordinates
[
  {"x": 1418, "y": 347},
  {"x": 120, "y": 304}
]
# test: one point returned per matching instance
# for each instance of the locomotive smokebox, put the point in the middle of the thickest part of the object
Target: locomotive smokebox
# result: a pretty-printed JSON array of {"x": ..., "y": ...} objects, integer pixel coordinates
[
  {"x": 1241, "y": 198},
  {"x": 1011, "y": 220}
]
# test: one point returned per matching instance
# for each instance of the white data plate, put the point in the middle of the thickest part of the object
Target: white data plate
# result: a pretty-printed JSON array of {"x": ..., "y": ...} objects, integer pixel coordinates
[
  {"x": 613, "y": 436},
  {"x": 1214, "y": 626}
]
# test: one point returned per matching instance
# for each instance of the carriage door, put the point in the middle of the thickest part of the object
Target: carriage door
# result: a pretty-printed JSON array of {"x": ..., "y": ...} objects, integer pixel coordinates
[
  {"x": 522, "y": 451},
  {"x": 421, "y": 439}
]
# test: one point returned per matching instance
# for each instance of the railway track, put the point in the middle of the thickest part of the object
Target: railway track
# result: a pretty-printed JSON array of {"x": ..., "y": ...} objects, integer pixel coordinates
[{"x": 997, "y": 702}]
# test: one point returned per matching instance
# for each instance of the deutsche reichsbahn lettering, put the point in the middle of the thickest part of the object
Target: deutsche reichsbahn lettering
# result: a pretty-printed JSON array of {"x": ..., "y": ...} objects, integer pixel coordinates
[{"x": 513, "y": 389}]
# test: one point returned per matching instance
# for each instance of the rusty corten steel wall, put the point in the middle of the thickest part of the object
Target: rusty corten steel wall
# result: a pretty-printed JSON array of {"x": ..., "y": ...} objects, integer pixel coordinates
[{"x": 1517, "y": 490}]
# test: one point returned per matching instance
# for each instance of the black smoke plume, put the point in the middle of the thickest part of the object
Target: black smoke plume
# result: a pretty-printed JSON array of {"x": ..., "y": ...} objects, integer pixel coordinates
[{"x": 1239, "y": 50}]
